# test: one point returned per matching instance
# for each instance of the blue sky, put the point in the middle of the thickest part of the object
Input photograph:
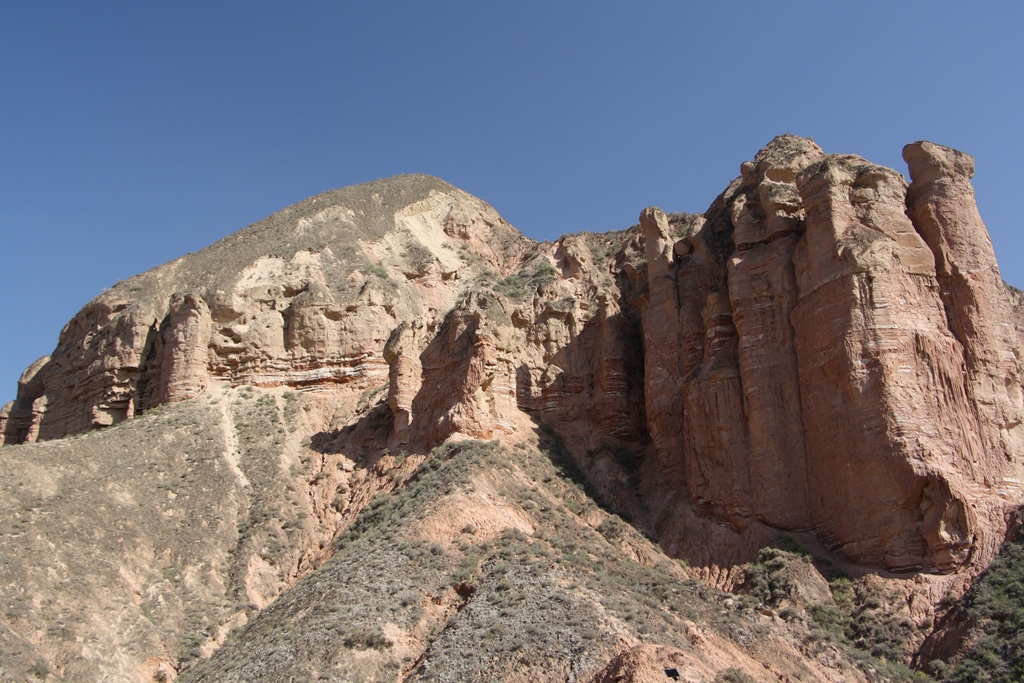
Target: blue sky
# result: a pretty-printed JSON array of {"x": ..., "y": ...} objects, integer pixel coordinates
[{"x": 134, "y": 132}]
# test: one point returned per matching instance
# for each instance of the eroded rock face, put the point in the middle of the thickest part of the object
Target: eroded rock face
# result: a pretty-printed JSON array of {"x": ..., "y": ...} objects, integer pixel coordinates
[
  {"x": 824, "y": 348},
  {"x": 663, "y": 331},
  {"x": 306, "y": 298},
  {"x": 824, "y": 367},
  {"x": 882, "y": 377},
  {"x": 184, "y": 360},
  {"x": 768, "y": 220},
  {"x": 467, "y": 383},
  {"x": 825, "y": 351},
  {"x": 978, "y": 306}
]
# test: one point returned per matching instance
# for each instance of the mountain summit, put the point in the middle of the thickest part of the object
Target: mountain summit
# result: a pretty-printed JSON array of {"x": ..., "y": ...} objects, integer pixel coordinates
[{"x": 383, "y": 436}]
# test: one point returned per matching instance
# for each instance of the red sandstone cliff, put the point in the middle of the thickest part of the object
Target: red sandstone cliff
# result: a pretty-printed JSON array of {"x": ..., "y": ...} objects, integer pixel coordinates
[{"x": 826, "y": 348}]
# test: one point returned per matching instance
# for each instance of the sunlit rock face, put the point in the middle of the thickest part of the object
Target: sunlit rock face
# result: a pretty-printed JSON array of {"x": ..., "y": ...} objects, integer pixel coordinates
[
  {"x": 825, "y": 348},
  {"x": 826, "y": 352},
  {"x": 826, "y": 367}
]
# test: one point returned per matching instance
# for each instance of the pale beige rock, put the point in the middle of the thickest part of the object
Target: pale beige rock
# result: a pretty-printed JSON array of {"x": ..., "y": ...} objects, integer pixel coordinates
[
  {"x": 573, "y": 257},
  {"x": 468, "y": 386},
  {"x": 20, "y": 420},
  {"x": 92, "y": 376},
  {"x": 5, "y": 413},
  {"x": 306, "y": 298},
  {"x": 405, "y": 374},
  {"x": 184, "y": 357}
]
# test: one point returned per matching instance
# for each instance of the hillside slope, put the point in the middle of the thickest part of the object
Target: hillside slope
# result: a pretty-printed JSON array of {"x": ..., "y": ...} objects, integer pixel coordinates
[{"x": 826, "y": 356}]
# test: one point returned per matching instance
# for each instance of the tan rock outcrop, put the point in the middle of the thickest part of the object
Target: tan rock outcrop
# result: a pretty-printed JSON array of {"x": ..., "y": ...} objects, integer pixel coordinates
[
  {"x": 405, "y": 374},
  {"x": 5, "y": 412},
  {"x": 90, "y": 379},
  {"x": 468, "y": 385},
  {"x": 306, "y": 298},
  {"x": 184, "y": 351},
  {"x": 20, "y": 418}
]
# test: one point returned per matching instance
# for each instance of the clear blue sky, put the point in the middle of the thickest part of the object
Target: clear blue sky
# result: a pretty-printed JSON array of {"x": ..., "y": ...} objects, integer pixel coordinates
[{"x": 134, "y": 132}]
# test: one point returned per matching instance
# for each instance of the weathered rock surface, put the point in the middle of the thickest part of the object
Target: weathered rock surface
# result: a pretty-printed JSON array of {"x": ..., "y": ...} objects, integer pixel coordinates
[
  {"x": 305, "y": 298},
  {"x": 826, "y": 350},
  {"x": 941, "y": 203},
  {"x": 888, "y": 423}
]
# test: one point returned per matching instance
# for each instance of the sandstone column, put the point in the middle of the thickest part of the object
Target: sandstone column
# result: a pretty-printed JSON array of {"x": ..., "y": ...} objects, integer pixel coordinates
[
  {"x": 663, "y": 395},
  {"x": 768, "y": 223},
  {"x": 891, "y": 436},
  {"x": 942, "y": 206},
  {"x": 184, "y": 363},
  {"x": 402, "y": 353}
]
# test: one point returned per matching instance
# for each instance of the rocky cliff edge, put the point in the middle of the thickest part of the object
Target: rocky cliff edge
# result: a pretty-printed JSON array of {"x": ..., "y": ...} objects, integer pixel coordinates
[{"x": 827, "y": 350}]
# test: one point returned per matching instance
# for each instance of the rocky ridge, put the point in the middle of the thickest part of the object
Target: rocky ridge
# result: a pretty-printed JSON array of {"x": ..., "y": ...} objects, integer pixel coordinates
[{"x": 827, "y": 352}]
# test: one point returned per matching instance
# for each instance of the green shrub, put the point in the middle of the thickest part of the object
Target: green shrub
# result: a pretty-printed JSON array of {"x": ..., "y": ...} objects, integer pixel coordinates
[
  {"x": 366, "y": 640},
  {"x": 525, "y": 283},
  {"x": 995, "y": 603},
  {"x": 733, "y": 675},
  {"x": 763, "y": 576}
]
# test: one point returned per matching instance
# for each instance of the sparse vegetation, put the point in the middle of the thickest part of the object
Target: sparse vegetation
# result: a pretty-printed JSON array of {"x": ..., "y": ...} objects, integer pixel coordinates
[
  {"x": 763, "y": 577},
  {"x": 366, "y": 640},
  {"x": 995, "y": 607},
  {"x": 683, "y": 223},
  {"x": 39, "y": 670},
  {"x": 733, "y": 675},
  {"x": 861, "y": 618},
  {"x": 517, "y": 598},
  {"x": 330, "y": 557},
  {"x": 523, "y": 284},
  {"x": 377, "y": 270}
]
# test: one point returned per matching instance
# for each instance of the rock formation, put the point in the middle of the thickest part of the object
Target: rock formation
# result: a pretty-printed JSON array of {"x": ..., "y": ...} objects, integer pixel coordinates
[
  {"x": 826, "y": 350},
  {"x": 804, "y": 363}
]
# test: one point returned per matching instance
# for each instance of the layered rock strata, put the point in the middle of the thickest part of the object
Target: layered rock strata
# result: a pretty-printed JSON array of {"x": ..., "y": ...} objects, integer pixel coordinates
[
  {"x": 823, "y": 382},
  {"x": 826, "y": 348},
  {"x": 888, "y": 425},
  {"x": 306, "y": 298},
  {"x": 941, "y": 204}
]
